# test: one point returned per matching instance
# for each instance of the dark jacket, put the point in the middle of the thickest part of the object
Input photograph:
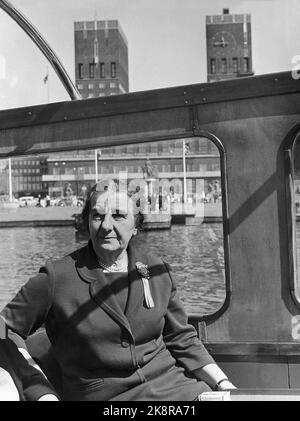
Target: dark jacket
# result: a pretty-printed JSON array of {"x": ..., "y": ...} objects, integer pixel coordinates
[
  {"x": 29, "y": 382},
  {"x": 105, "y": 353}
]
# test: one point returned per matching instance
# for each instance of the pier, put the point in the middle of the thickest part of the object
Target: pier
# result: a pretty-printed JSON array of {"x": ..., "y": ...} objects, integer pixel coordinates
[
  {"x": 37, "y": 217},
  {"x": 65, "y": 216}
]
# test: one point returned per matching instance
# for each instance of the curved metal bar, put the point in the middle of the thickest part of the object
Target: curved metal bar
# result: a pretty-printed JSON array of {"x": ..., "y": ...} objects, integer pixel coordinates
[{"x": 42, "y": 44}]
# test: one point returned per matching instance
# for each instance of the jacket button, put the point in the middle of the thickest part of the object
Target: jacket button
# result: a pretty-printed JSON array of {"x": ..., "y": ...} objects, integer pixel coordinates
[{"x": 125, "y": 343}]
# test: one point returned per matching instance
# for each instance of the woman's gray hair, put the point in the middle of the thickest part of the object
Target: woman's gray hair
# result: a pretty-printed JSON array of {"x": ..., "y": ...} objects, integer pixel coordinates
[{"x": 101, "y": 187}]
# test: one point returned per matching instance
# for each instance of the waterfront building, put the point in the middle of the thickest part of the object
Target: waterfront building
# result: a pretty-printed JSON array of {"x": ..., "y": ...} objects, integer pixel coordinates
[
  {"x": 229, "y": 48},
  {"x": 76, "y": 173},
  {"x": 26, "y": 175}
]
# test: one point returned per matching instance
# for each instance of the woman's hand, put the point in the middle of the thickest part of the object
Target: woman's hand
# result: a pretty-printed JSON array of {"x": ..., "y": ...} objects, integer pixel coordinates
[
  {"x": 48, "y": 397},
  {"x": 214, "y": 377},
  {"x": 225, "y": 385}
]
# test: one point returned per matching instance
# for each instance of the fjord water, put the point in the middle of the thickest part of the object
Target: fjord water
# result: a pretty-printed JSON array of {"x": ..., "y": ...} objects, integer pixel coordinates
[{"x": 195, "y": 254}]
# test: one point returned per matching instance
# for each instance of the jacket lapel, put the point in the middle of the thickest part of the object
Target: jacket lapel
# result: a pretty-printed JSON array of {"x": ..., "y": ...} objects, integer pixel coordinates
[
  {"x": 100, "y": 291},
  {"x": 136, "y": 290}
]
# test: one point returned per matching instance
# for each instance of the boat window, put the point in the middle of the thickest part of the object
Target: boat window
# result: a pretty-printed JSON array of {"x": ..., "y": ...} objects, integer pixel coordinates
[
  {"x": 26, "y": 77},
  {"x": 175, "y": 183},
  {"x": 294, "y": 188}
]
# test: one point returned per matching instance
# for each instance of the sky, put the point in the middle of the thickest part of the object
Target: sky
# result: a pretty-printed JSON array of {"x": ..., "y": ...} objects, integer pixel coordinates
[{"x": 166, "y": 40}]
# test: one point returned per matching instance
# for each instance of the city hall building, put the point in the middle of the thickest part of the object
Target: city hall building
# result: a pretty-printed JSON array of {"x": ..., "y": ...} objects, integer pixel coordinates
[
  {"x": 229, "y": 46},
  {"x": 192, "y": 160},
  {"x": 101, "y": 58}
]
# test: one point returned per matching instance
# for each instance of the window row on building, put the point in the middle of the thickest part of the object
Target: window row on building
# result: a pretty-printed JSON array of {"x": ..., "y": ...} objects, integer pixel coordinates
[
  {"x": 26, "y": 178},
  {"x": 17, "y": 171},
  {"x": 226, "y": 65},
  {"x": 114, "y": 168},
  {"x": 174, "y": 147},
  {"x": 26, "y": 187},
  {"x": 163, "y": 167},
  {"x": 101, "y": 85},
  {"x": 91, "y": 71},
  {"x": 197, "y": 146},
  {"x": 84, "y": 96},
  {"x": 26, "y": 162}
]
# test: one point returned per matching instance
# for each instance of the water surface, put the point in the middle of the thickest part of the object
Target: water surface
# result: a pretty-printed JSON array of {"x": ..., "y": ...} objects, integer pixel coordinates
[{"x": 194, "y": 252}]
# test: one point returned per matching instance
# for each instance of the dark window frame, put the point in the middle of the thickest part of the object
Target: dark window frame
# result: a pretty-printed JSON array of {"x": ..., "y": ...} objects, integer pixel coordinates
[
  {"x": 113, "y": 69},
  {"x": 223, "y": 65},
  {"x": 102, "y": 70},
  {"x": 213, "y": 66},
  {"x": 246, "y": 64},
  {"x": 235, "y": 65},
  {"x": 80, "y": 71},
  {"x": 92, "y": 68}
]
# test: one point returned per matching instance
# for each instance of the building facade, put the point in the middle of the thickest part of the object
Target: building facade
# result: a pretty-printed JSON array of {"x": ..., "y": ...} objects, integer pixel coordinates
[
  {"x": 200, "y": 167},
  {"x": 101, "y": 58},
  {"x": 228, "y": 42},
  {"x": 26, "y": 175}
]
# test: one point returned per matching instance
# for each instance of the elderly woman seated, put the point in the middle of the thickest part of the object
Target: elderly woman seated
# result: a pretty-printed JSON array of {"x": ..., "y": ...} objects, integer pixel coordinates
[{"x": 113, "y": 315}]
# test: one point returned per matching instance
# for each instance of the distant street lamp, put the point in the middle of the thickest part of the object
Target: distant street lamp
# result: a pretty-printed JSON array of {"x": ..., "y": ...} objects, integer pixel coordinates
[
  {"x": 185, "y": 151},
  {"x": 97, "y": 154},
  {"x": 96, "y": 165},
  {"x": 75, "y": 170},
  {"x": 10, "y": 180}
]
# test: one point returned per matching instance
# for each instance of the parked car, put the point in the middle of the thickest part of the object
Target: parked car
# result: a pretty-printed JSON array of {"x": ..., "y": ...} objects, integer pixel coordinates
[
  {"x": 80, "y": 201},
  {"x": 26, "y": 201},
  {"x": 60, "y": 202}
]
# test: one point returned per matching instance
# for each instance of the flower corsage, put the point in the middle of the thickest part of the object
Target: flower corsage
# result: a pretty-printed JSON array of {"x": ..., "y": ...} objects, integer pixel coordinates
[{"x": 143, "y": 270}]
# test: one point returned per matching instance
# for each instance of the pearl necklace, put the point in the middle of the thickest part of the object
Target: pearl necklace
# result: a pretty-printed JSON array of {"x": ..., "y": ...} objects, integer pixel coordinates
[{"x": 118, "y": 266}]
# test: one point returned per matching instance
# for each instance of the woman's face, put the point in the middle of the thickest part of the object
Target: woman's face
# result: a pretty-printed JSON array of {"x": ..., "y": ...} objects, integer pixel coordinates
[{"x": 111, "y": 223}]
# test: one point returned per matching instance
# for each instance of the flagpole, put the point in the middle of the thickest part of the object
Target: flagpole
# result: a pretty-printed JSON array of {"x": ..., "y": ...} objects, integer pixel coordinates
[
  {"x": 46, "y": 82},
  {"x": 184, "y": 171},
  {"x": 9, "y": 179},
  {"x": 96, "y": 165},
  {"x": 48, "y": 89}
]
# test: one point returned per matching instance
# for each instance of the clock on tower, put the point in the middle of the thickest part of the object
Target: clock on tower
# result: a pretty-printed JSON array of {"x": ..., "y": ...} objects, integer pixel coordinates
[
  {"x": 228, "y": 42},
  {"x": 223, "y": 40}
]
